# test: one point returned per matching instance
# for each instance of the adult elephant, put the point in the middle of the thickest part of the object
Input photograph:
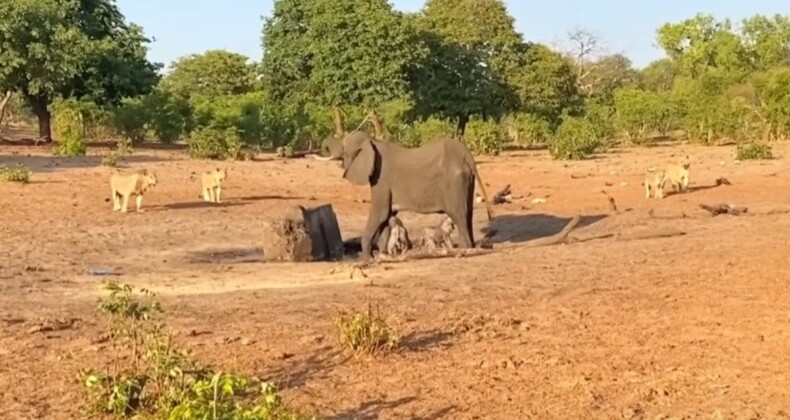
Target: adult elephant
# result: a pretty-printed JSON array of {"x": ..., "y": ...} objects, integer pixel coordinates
[{"x": 437, "y": 177}]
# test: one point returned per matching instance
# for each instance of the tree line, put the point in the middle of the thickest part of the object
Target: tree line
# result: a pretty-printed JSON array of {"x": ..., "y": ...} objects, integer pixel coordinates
[{"x": 80, "y": 68}]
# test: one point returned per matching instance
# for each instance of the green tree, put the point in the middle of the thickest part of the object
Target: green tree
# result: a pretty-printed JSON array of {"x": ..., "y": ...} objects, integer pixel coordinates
[
  {"x": 211, "y": 74},
  {"x": 546, "y": 85},
  {"x": 608, "y": 73},
  {"x": 698, "y": 44},
  {"x": 767, "y": 40},
  {"x": 287, "y": 62},
  {"x": 638, "y": 112},
  {"x": 495, "y": 47},
  {"x": 658, "y": 76},
  {"x": 353, "y": 53},
  {"x": 71, "y": 49}
]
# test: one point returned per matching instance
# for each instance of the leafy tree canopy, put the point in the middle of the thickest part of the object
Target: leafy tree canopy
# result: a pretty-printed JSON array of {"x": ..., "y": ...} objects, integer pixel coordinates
[{"x": 211, "y": 74}]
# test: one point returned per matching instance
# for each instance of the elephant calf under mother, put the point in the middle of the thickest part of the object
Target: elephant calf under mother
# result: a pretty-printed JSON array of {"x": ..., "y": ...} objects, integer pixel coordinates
[{"x": 437, "y": 177}]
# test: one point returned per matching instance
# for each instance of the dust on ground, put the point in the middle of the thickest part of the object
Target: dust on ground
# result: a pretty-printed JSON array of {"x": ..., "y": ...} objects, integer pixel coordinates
[{"x": 695, "y": 325}]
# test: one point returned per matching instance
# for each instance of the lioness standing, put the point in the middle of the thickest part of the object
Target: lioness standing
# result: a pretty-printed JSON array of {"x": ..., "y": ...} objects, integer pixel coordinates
[
  {"x": 677, "y": 174},
  {"x": 123, "y": 185},
  {"x": 211, "y": 181}
]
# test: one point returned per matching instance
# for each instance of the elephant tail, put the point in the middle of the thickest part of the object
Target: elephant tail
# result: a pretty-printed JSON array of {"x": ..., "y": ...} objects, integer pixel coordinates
[{"x": 489, "y": 209}]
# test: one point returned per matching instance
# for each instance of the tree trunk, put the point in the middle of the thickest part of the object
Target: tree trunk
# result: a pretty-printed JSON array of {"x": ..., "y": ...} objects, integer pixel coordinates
[
  {"x": 4, "y": 105},
  {"x": 462, "y": 121},
  {"x": 40, "y": 106},
  {"x": 378, "y": 128},
  {"x": 337, "y": 119}
]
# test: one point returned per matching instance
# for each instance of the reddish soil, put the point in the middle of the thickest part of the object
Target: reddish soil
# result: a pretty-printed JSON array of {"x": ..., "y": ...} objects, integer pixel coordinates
[{"x": 689, "y": 326}]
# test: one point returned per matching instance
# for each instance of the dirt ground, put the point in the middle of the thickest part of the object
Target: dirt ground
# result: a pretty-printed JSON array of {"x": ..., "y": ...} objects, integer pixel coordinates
[{"x": 695, "y": 326}]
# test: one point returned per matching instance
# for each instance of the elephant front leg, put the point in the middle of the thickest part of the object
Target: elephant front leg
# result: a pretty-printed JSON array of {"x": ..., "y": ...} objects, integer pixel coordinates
[{"x": 378, "y": 216}]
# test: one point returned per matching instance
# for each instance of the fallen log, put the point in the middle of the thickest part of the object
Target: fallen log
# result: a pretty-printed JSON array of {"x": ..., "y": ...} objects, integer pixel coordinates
[
  {"x": 721, "y": 208},
  {"x": 502, "y": 196},
  {"x": 663, "y": 232},
  {"x": 558, "y": 238}
]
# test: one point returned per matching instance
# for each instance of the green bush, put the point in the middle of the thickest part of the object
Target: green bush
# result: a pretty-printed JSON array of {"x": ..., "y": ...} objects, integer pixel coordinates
[
  {"x": 483, "y": 137},
  {"x": 69, "y": 128},
  {"x": 528, "y": 129},
  {"x": 170, "y": 116},
  {"x": 150, "y": 376},
  {"x": 427, "y": 130},
  {"x": 214, "y": 143},
  {"x": 640, "y": 112},
  {"x": 17, "y": 173},
  {"x": 576, "y": 139},
  {"x": 753, "y": 151},
  {"x": 131, "y": 119},
  {"x": 365, "y": 332},
  {"x": 600, "y": 113}
]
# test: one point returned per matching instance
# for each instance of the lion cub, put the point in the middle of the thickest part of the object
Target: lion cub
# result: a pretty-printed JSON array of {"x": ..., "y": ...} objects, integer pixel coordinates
[
  {"x": 123, "y": 185},
  {"x": 398, "y": 242},
  {"x": 211, "y": 182},
  {"x": 677, "y": 174},
  {"x": 438, "y": 237}
]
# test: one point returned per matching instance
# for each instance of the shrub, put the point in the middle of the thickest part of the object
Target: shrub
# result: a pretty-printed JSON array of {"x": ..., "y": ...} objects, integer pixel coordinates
[
  {"x": 17, "y": 173},
  {"x": 214, "y": 143},
  {"x": 528, "y": 129},
  {"x": 427, "y": 130},
  {"x": 576, "y": 139},
  {"x": 69, "y": 128},
  {"x": 170, "y": 116},
  {"x": 600, "y": 113},
  {"x": 754, "y": 151},
  {"x": 150, "y": 376},
  {"x": 365, "y": 332},
  {"x": 123, "y": 148},
  {"x": 131, "y": 119},
  {"x": 483, "y": 137}
]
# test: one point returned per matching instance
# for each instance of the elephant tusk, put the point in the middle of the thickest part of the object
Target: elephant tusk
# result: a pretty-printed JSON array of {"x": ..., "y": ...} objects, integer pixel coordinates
[{"x": 322, "y": 158}]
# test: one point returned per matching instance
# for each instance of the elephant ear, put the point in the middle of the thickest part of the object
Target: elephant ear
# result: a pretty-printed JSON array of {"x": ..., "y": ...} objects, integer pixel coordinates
[{"x": 360, "y": 169}]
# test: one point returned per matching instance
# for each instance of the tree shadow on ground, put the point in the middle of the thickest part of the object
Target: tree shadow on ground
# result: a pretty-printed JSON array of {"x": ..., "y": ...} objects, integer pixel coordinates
[
  {"x": 370, "y": 410},
  {"x": 519, "y": 228},
  {"x": 44, "y": 164},
  {"x": 295, "y": 372},
  {"x": 420, "y": 341}
]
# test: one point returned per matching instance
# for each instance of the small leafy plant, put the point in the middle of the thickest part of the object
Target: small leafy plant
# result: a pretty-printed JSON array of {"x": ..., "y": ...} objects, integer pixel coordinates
[
  {"x": 149, "y": 376},
  {"x": 365, "y": 332},
  {"x": 754, "y": 151},
  {"x": 17, "y": 173},
  {"x": 123, "y": 148}
]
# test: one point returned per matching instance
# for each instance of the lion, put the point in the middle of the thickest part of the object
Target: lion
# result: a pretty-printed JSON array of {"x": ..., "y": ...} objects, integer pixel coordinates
[
  {"x": 439, "y": 236},
  {"x": 677, "y": 174},
  {"x": 398, "y": 242},
  {"x": 124, "y": 185},
  {"x": 211, "y": 182}
]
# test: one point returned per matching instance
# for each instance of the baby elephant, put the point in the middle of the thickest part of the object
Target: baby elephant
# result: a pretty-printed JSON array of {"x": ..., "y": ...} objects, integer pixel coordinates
[
  {"x": 398, "y": 242},
  {"x": 438, "y": 237}
]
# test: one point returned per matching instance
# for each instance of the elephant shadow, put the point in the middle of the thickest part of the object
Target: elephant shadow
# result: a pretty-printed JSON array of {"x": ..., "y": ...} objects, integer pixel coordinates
[{"x": 518, "y": 228}]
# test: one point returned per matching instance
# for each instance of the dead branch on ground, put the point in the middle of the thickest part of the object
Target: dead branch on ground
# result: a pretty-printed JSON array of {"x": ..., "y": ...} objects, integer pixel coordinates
[
  {"x": 502, "y": 196},
  {"x": 662, "y": 232},
  {"x": 559, "y": 238},
  {"x": 721, "y": 208}
]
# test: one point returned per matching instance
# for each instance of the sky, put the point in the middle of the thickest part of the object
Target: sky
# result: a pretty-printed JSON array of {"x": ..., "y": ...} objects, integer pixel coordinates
[{"x": 184, "y": 27}]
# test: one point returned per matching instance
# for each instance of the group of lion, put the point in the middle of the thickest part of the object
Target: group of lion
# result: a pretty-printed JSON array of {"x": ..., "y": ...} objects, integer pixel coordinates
[{"x": 125, "y": 185}]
